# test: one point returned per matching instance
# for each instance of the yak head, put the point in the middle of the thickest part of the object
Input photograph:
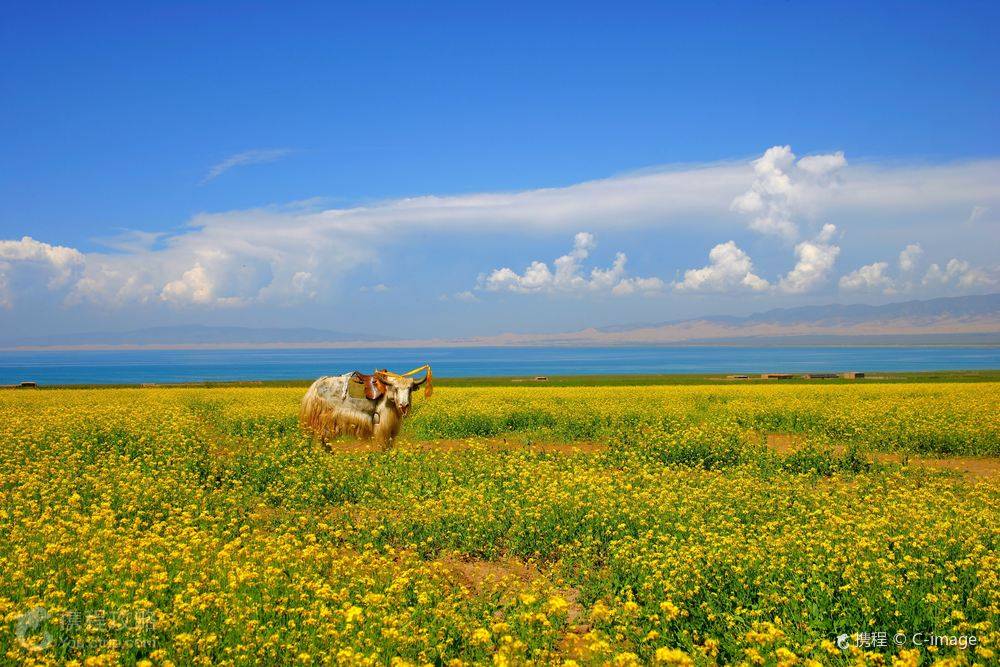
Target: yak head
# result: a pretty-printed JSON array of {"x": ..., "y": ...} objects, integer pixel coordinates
[{"x": 399, "y": 389}]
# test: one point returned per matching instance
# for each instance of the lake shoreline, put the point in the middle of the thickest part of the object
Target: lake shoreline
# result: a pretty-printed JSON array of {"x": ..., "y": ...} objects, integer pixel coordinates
[
  {"x": 584, "y": 380},
  {"x": 617, "y": 364}
]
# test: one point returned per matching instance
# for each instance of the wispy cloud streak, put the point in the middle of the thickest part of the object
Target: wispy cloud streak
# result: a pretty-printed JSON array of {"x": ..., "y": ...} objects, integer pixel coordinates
[{"x": 256, "y": 156}]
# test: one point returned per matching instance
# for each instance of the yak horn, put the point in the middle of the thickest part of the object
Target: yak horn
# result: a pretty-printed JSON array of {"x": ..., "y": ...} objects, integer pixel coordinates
[{"x": 428, "y": 380}]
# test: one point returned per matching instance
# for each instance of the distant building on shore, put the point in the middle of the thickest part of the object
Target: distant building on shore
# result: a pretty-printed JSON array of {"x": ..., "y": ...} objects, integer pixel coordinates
[{"x": 28, "y": 384}]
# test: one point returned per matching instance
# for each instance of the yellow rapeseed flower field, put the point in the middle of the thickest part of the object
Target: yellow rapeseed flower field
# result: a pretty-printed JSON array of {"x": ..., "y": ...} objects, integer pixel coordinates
[{"x": 523, "y": 525}]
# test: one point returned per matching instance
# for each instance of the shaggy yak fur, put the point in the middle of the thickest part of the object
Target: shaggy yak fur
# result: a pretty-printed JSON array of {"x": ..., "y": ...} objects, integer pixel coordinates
[{"x": 329, "y": 410}]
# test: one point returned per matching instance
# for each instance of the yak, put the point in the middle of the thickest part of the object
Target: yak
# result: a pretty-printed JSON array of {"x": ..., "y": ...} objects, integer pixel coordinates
[{"x": 375, "y": 412}]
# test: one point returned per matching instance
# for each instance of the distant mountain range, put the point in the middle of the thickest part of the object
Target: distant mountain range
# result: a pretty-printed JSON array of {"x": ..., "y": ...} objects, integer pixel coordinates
[
  {"x": 194, "y": 334},
  {"x": 957, "y": 320},
  {"x": 964, "y": 320},
  {"x": 959, "y": 308}
]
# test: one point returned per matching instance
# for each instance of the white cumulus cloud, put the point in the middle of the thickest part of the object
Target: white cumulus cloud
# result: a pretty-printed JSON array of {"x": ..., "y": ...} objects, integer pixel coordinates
[
  {"x": 871, "y": 277},
  {"x": 569, "y": 276},
  {"x": 960, "y": 273},
  {"x": 815, "y": 260},
  {"x": 728, "y": 268},
  {"x": 59, "y": 262},
  {"x": 957, "y": 274},
  {"x": 26, "y": 263},
  {"x": 822, "y": 165},
  {"x": 782, "y": 187},
  {"x": 194, "y": 286},
  {"x": 909, "y": 257}
]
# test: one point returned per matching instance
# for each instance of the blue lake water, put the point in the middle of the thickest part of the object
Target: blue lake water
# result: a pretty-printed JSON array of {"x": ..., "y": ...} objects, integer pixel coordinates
[{"x": 136, "y": 366}]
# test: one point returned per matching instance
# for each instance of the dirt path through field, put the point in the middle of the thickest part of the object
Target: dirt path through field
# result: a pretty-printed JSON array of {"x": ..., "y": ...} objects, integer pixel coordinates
[{"x": 972, "y": 466}]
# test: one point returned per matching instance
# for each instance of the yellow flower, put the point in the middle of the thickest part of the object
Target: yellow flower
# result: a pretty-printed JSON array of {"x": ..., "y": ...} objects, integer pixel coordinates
[
  {"x": 672, "y": 656},
  {"x": 669, "y": 610},
  {"x": 906, "y": 658},
  {"x": 600, "y": 612},
  {"x": 557, "y": 604},
  {"x": 785, "y": 657},
  {"x": 352, "y": 614}
]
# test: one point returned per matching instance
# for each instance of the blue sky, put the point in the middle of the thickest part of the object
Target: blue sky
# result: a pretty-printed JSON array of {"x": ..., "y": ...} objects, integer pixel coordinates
[{"x": 260, "y": 163}]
